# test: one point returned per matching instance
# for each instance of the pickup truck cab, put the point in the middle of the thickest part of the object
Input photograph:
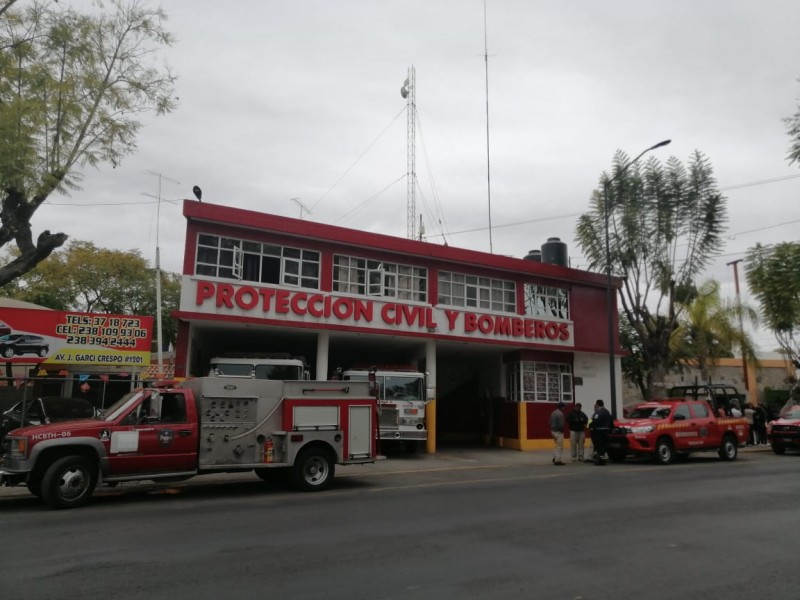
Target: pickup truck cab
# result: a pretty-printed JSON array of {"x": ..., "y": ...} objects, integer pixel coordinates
[{"x": 667, "y": 428}]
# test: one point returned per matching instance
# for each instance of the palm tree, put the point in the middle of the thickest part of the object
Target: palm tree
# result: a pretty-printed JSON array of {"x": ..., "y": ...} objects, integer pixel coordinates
[{"x": 710, "y": 327}]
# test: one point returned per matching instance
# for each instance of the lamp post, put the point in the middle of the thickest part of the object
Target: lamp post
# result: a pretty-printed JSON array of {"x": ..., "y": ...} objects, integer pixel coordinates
[{"x": 612, "y": 372}]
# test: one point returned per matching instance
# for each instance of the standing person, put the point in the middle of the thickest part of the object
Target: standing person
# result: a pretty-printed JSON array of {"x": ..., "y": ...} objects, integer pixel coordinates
[
  {"x": 577, "y": 422},
  {"x": 760, "y": 423},
  {"x": 557, "y": 431},
  {"x": 601, "y": 425},
  {"x": 749, "y": 414}
]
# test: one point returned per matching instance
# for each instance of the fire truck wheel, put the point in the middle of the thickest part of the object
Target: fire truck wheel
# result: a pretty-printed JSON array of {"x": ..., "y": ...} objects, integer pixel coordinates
[
  {"x": 313, "y": 470},
  {"x": 665, "y": 451},
  {"x": 778, "y": 449},
  {"x": 69, "y": 482},
  {"x": 729, "y": 448}
]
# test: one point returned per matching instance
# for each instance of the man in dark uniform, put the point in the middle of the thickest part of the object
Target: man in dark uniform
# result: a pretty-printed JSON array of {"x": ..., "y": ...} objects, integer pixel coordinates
[{"x": 601, "y": 426}]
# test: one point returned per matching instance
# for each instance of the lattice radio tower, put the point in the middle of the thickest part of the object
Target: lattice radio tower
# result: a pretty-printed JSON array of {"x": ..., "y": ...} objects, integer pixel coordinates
[{"x": 409, "y": 92}]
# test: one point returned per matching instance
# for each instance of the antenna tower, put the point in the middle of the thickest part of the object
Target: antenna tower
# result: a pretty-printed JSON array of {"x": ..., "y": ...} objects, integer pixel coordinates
[{"x": 409, "y": 92}]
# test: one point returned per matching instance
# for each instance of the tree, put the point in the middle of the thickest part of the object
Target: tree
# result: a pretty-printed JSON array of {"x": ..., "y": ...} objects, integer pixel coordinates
[
  {"x": 85, "y": 278},
  {"x": 710, "y": 328},
  {"x": 665, "y": 225},
  {"x": 72, "y": 86},
  {"x": 773, "y": 274},
  {"x": 793, "y": 129}
]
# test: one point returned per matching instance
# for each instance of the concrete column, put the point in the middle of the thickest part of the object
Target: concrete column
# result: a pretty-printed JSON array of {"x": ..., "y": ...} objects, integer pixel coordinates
[
  {"x": 323, "y": 345},
  {"x": 430, "y": 408}
]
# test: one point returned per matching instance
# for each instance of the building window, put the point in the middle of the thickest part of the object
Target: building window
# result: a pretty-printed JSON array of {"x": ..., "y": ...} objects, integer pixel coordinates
[
  {"x": 546, "y": 301},
  {"x": 231, "y": 258},
  {"x": 471, "y": 291},
  {"x": 379, "y": 278},
  {"x": 540, "y": 382}
]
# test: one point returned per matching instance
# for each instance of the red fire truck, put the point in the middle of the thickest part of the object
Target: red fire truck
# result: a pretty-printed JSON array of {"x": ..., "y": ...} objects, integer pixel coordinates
[{"x": 202, "y": 425}]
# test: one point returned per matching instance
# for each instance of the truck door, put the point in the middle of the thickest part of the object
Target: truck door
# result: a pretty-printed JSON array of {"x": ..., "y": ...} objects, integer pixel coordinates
[
  {"x": 707, "y": 428},
  {"x": 686, "y": 434},
  {"x": 157, "y": 436}
]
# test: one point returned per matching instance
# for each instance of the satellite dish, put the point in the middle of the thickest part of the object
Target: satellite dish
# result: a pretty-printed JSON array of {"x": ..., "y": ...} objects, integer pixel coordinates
[{"x": 404, "y": 89}]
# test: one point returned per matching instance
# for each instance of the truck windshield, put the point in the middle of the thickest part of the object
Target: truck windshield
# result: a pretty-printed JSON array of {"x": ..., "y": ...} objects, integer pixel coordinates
[
  {"x": 650, "y": 412},
  {"x": 400, "y": 387},
  {"x": 279, "y": 372},
  {"x": 121, "y": 406}
]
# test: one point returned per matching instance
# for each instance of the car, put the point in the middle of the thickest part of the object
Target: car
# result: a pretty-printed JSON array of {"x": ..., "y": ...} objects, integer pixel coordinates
[
  {"x": 784, "y": 432},
  {"x": 13, "y": 344},
  {"x": 44, "y": 410},
  {"x": 4, "y": 328}
]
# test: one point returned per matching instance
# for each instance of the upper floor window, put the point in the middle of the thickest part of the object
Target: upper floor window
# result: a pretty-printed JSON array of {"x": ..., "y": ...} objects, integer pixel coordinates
[
  {"x": 233, "y": 258},
  {"x": 546, "y": 301},
  {"x": 456, "y": 289},
  {"x": 379, "y": 278}
]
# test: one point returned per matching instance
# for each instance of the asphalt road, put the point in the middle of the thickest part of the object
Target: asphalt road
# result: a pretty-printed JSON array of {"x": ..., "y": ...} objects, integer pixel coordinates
[{"x": 471, "y": 526}]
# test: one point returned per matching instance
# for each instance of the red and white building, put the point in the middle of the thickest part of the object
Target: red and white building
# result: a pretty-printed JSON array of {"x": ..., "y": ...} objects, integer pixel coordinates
[{"x": 502, "y": 339}]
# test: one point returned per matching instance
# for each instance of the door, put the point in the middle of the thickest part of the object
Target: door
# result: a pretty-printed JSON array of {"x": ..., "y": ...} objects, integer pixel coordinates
[
  {"x": 686, "y": 429},
  {"x": 156, "y": 436},
  {"x": 359, "y": 434}
]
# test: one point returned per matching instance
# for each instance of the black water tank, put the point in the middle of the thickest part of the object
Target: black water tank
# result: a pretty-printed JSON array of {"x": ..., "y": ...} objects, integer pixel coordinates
[
  {"x": 554, "y": 252},
  {"x": 534, "y": 255}
]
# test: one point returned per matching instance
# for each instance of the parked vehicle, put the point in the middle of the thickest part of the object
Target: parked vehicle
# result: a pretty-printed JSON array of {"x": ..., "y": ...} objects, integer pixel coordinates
[
  {"x": 4, "y": 328},
  {"x": 13, "y": 344},
  {"x": 784, "y": 432},
  {"x": 667, "y": 428},
  {"x": 269, "y": 366},
  {"x": 402, "y": 399},
  {"x": 44, "y": 410},
  {"x": 203, "y": 425}
]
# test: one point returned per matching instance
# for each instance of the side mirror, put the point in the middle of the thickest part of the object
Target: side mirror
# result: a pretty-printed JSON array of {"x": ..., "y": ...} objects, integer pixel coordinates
[{"x": 680, "y": 417}]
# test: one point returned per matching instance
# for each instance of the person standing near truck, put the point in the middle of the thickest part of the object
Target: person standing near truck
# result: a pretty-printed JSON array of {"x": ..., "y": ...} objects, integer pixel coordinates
[
  {"x": 577, "y": 422},
  {"x": 557, "y": 431},
  {"x": 600, "y": 426}
]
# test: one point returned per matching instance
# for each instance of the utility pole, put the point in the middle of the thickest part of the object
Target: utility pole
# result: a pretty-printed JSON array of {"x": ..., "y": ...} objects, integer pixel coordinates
[
  {"x": 735, "y": 265},
  {"x": 159, "y": 348}
]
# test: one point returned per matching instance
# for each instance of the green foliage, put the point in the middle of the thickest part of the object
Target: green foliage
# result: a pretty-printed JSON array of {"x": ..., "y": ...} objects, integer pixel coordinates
[
  {"x": 85, "y": 278},
  {"x": 72, "y": 87},
  {"x": 793, "y": 129},
  {"x": 665, "y": 225},
  {"x": 710, "y": 328},
  {"x": 773, "y": 274}
]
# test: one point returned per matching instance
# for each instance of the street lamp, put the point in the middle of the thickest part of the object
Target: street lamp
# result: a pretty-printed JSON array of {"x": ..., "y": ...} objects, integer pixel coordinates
[{"x": 612, "y": 372}]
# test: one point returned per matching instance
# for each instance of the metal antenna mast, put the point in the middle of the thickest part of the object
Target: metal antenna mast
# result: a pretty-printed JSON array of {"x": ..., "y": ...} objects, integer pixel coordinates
[
  {"x": 488, "y": 155},
  {"x": 409, "y": 92},
  {"x": 302, "y": 206}
]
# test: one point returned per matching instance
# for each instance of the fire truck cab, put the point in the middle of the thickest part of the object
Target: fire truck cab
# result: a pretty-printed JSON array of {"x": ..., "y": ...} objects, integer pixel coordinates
[{"x": 402, "y": 396}]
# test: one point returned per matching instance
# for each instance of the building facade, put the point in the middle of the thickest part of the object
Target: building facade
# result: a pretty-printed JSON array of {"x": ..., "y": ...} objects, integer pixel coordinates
[{"x": 502, "y": 339}]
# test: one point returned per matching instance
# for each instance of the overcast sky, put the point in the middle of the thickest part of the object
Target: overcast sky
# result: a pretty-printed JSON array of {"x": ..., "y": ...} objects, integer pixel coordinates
[{"x": 282, "y": 100}]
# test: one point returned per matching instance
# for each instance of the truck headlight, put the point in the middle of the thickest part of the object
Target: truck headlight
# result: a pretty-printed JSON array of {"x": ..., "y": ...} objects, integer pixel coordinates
[
  {"x": 642, "y": 429},
  {"x": 17, "y": 447}
]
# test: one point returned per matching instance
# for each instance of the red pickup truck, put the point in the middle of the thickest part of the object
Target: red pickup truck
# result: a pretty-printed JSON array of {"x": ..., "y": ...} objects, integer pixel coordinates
[{"x": 667, "y": 428}]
